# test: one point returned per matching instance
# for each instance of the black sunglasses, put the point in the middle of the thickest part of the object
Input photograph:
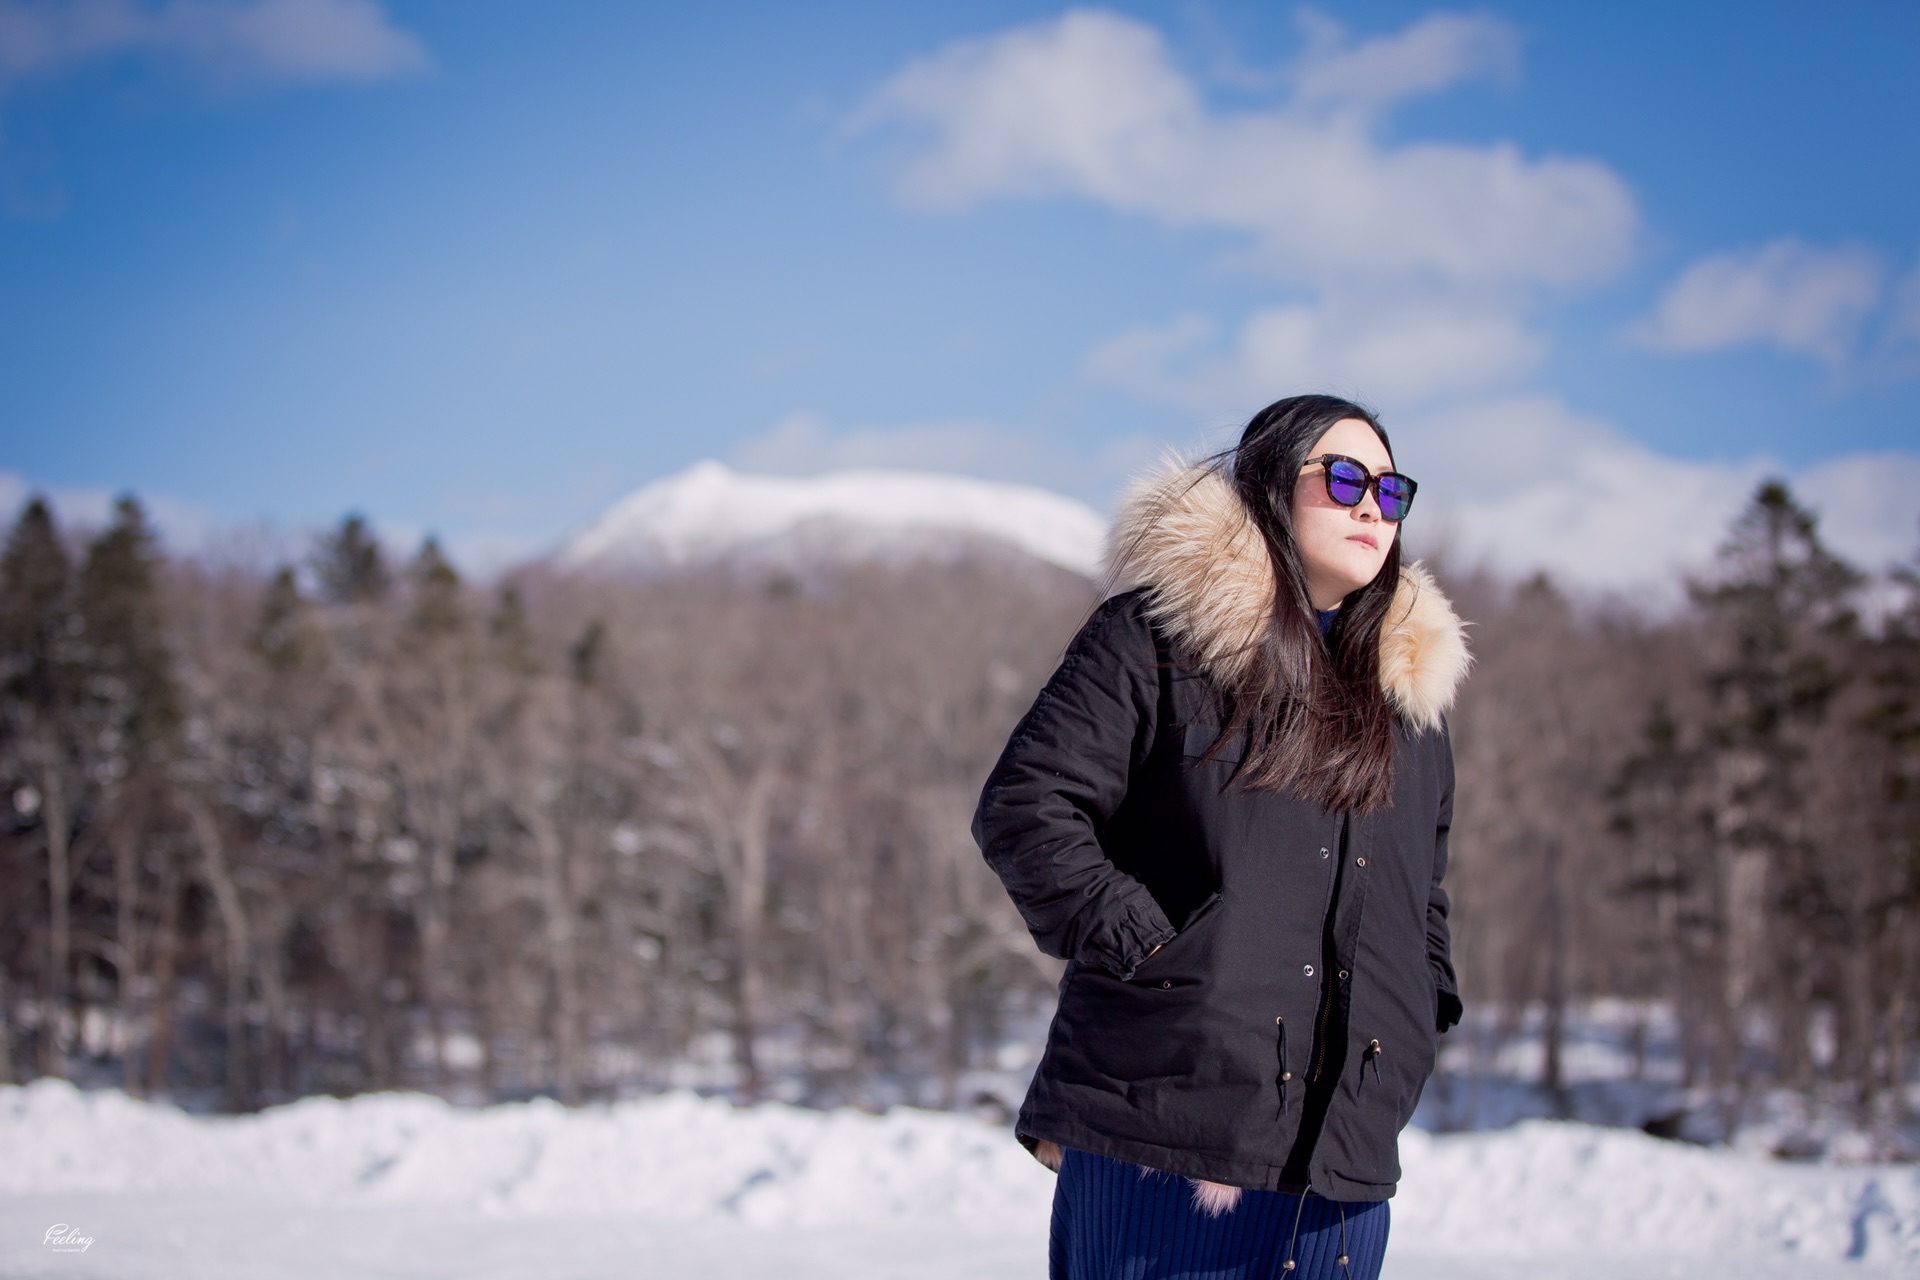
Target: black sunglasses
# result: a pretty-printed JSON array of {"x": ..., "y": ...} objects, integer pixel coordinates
[{"x": 1348, "y": 481}]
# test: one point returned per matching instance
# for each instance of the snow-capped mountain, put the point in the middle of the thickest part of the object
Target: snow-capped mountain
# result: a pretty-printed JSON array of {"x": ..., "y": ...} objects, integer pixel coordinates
[{"x": 711, "y": 512}]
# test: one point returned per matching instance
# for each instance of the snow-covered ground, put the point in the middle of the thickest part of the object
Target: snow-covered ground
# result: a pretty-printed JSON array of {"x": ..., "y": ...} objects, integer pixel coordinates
[
  {"x": 1489, "y": 1078},
  {"x": 404, "y": 1185}
]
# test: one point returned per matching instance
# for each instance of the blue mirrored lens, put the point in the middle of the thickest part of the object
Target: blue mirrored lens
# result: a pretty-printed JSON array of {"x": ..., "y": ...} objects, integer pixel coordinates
[
  {"x": 1396, "y": 495},
  {"x": 1346, "y": 483}
]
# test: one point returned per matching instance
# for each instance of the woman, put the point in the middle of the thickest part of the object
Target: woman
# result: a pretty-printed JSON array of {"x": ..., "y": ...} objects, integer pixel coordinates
[{"x": 1228, "y": 812}]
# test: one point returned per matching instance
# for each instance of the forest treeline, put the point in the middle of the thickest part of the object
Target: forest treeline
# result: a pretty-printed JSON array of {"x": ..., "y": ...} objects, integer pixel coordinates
[{"x": 357, "y": 825}]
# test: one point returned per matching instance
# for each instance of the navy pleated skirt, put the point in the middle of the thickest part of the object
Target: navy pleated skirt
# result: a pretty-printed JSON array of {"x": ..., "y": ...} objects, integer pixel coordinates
[{"x": 1113, "y": 1220}]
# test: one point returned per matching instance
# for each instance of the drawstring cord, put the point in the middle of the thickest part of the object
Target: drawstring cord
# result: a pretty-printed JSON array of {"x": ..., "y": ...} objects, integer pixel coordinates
[
  {"x": 1285, "y": 1074},
  {"x": 1293, "y": 1237},
  {"x": 1373, "y": 1056},
  {"x": 1289, "y": 1264}
]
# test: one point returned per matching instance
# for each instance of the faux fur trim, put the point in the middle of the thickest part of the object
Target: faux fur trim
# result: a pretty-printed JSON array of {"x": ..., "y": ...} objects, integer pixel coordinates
[
  {"x": 1423, "y": 649},
  {"x": 1214, "y": 1198},
  {"x": 1184, "y": 535}
]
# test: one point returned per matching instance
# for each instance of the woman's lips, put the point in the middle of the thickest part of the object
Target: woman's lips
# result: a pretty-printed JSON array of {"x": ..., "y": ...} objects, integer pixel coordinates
[{"x": 1367, "y": 538}]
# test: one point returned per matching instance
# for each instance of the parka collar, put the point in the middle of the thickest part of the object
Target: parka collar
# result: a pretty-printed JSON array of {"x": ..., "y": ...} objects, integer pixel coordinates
[{"x": 1184, "y": 535}]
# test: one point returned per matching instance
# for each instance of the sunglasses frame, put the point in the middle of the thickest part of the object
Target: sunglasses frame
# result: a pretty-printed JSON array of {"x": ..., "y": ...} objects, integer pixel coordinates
[{"x": 1326, "y": 461}]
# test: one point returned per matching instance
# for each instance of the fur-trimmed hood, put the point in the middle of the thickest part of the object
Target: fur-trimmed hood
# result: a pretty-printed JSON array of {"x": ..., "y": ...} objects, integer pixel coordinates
[{"x": 1184, "y": 535}]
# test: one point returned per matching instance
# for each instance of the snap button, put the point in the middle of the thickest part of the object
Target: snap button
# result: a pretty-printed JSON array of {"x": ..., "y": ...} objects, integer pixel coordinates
[
  {"x": 1307, "y": 969},
  {"x": 1165, "y": 985},
  {"x": 1285, "y": 1076},
  {"x": 1323, "y": 853},
  {"x": 1361, "y": 861}
]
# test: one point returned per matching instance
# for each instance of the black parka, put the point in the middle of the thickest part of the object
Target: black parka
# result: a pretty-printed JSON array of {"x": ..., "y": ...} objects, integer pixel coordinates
[{"x": 1113, "y": 836}]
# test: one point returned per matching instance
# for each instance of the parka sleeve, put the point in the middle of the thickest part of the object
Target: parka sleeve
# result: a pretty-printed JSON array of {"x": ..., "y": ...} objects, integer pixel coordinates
[
  {"x": 1439, "y": 939},
  {"x": 1061, "y": 777}
]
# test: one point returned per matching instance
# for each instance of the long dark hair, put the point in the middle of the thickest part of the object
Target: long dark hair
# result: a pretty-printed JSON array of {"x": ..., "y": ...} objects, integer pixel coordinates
[{"x": 1320, "y": 723}]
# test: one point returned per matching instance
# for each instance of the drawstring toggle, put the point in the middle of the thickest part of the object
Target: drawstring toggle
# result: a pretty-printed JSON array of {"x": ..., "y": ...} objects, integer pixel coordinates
[{"x": 1285, "y": 1073}]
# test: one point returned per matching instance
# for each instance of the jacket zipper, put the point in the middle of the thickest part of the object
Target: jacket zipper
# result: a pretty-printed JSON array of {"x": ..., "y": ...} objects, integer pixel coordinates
[
  {"x": 1326, "y": 1016},
  {"x": 1326, "y": 980}
]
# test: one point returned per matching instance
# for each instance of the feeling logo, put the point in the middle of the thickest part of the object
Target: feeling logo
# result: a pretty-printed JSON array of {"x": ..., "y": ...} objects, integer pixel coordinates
[{"x": 62, "y": 1238}]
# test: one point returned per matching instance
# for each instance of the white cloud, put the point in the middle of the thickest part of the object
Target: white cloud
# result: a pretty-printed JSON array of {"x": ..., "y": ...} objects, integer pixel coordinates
[
  {"x": 1525, "y": 484},
  {"x": 1398, "y": 351},
  {"x": 1898, "y": 349},
  {"x": 1435, "y": 53},
  {"x": 1906, "y": 314},
  {"x": 1868, "y": 504},
  {"x": 1421, "y": 264},
  {"x": 1798, "y": 298},
  {"x": 803, "y": 444},
  {"x": 230, "y": 40},
  {"x": 1092, "y": 105}
]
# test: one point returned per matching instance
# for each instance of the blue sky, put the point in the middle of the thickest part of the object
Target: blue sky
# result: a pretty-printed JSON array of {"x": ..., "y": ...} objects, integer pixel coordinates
[{"x": 480, "y": 267}]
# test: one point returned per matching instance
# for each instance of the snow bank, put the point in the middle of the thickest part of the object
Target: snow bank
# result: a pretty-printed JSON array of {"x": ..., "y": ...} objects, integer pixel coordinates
[
  {"x": 677, "y": 1157},
  {"x": 1546, "y": 1188},
  {"x": 1541, "y": 1189}
]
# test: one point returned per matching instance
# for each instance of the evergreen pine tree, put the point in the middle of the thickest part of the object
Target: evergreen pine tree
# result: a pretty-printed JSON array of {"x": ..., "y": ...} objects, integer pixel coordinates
[
  {"x": 435, "y": 585},
  {"x": 40, "y": 688},
  {"x": 1780, "y": 608},
  {"x": 1781, "y": 604},
  {"x": 511, "y": 631},
  {"x": 587, "y": 653},
  {"x": 280, "y": 636},
  {"x": 128, "y": 713},
  {"x": 350, "y": 565},
  {"x": 132, "y": 694},
  {"x": 35, "y": 618},
  {"x": 1776, "y": 589}
]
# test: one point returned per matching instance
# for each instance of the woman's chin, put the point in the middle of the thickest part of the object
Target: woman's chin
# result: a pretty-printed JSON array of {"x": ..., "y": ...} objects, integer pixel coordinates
[{"x": 1365, "y": 571}]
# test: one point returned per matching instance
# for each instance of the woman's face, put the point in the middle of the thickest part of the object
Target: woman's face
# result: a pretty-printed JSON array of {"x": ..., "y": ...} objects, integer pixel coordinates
[{"x": 1341, "y": 547}]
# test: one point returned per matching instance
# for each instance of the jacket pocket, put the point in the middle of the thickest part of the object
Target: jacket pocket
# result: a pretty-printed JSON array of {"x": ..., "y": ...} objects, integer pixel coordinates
[
  {"x": 1115, "y": 1035},
  {"x": 1177, "y": 963}
]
